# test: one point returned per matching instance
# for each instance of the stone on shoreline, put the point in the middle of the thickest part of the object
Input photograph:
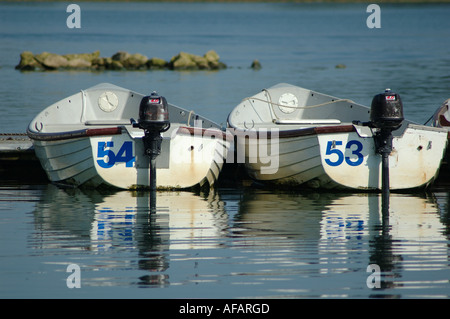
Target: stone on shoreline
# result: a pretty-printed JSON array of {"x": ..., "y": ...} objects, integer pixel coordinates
[
  {"x": 256, "y": 65},
  {"x": 188, "y": 61},
  {"x": 119, "y": 61},
  {"x": 135, "y": 62},
  {"x": 83, "y": 56},
  {"x": 27, "y": 62},
  {"x": 182, "y": 61},
  {"x": 213, "y": 60},
  {"x": 120, "y": 56},
  {"x": 157, "y": 63},
  {"x": 52, "y": 61}
]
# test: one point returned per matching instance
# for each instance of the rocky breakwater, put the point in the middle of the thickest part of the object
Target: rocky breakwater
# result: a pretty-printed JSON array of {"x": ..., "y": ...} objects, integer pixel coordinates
[
  {"x": 119, "y": 61},
  {"x": 52, "y": 61},
  {"x": 188, "y": 61}
]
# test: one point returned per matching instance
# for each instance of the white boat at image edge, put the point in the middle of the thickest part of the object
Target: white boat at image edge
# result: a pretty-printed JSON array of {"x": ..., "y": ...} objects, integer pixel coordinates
[
  {"x": 87, "y": 139},
  {"x": 441, "y": 117},
  {"x": 294, "y": 136}
]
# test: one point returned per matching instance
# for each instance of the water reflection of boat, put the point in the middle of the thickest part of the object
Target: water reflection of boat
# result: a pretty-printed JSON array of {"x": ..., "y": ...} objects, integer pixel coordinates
[
  {"x": 114, "y": 219},
  {"x": 411, "y": 216},
  {"x": 344, "y": 233},
  {"x": 411, "y": 237},
  {"x": 86, "y": 220},
  {"x": 184, "y": 220},
  {"x": 264, "y": 213},
  {"x": 334, "y": 216}
]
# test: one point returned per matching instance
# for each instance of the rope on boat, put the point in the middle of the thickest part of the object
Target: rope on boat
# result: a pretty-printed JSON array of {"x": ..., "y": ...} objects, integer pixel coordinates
[
  {"x": 14, "y": 136},
  {"x": 293, "y": 107},
  {"x": 189, "y": 118},
  {"x": 299, "y": 107}
]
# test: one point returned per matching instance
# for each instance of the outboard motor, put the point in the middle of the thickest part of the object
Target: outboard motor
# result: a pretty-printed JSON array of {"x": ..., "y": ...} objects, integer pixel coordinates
[
  {"x": 154, "y": 120},
  {"x": 153, "y": 113},
  {"x": 386, "y": 110},
  {"x": 386, "y": 114}
]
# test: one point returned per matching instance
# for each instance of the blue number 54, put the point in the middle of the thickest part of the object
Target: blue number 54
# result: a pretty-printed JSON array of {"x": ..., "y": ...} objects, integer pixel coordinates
[{"x": 124, "y": 155}]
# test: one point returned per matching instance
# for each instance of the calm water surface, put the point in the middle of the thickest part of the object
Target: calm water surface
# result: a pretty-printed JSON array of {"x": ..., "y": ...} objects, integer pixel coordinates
[{"x": 231, "y": 242}]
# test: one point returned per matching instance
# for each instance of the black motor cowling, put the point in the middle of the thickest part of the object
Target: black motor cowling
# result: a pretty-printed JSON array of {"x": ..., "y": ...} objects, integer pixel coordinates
[
  {"x": 386, "y": 110},
  {"x": 153, "y": 113}
]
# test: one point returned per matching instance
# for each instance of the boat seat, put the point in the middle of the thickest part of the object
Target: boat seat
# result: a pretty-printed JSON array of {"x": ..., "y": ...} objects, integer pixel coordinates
[
  {"x": 108, "y": 122},
  {"x": 307, "y": 121},
  {"x": 443, "y": 121}
]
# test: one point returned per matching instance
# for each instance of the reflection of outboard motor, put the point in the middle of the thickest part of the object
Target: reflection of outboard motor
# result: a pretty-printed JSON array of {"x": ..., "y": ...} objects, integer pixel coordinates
[
  {"x": 153, "y": 119},
  {"x": 386, "y": 114}
]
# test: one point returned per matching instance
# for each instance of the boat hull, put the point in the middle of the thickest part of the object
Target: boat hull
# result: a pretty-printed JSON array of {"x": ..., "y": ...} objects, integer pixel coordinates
[
  {"x": 344, "y": 157},
  {"x": 351, "y": 160},
  {"x": 87, "y": 139},
  {"x": 292, "y": 161},
  {"x": 187, "y": 159},
  {"x": 67, "y": 162},
  {"x": 296, "y": 137}
]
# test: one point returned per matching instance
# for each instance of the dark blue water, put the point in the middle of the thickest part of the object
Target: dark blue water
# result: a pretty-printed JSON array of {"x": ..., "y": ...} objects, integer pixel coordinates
[
  {"x": 295, "y": 43},
  {"x": 242, "y": 243},
  {"x": 230, "y": 243}
]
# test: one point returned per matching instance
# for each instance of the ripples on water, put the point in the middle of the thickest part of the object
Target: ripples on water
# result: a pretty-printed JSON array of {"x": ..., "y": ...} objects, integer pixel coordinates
[{"x": 224, "y": 244}]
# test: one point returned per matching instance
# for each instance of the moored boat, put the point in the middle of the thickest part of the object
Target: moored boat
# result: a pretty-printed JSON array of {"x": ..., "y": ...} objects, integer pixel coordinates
[
  {"x": 441, "y": 117},
  {"x": 88, "y": 139},
  {"x": 291, "y": 136}
]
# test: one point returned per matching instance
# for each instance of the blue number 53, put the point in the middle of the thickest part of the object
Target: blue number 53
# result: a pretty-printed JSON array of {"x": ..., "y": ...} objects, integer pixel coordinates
[{"x": 332, "y": 149}]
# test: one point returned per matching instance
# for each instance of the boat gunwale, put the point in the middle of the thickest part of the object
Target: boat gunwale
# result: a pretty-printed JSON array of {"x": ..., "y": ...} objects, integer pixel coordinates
[
  {"x": 312, "y": 130},
  {"x": 117, "y": 130}
]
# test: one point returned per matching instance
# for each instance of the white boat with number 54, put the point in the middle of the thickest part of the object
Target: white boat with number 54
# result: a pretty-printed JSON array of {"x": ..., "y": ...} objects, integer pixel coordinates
[
  {"x": 90, "y": 139},
  {"x": 293, "y": 136}
]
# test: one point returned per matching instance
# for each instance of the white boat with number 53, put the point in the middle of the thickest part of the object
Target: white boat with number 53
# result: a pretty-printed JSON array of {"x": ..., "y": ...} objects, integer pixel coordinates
[
  {"x": 294, "y": 136},
  {"x": 89, "y": 139}
]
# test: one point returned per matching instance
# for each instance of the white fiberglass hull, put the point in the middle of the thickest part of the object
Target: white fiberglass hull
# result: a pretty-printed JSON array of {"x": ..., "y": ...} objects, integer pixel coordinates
[
  {"x": 83, "y": 141},
  {"x": 118, "y": 160},
  {"x": 288, "y": 143},
  {"x": 330, "y": 158}
]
